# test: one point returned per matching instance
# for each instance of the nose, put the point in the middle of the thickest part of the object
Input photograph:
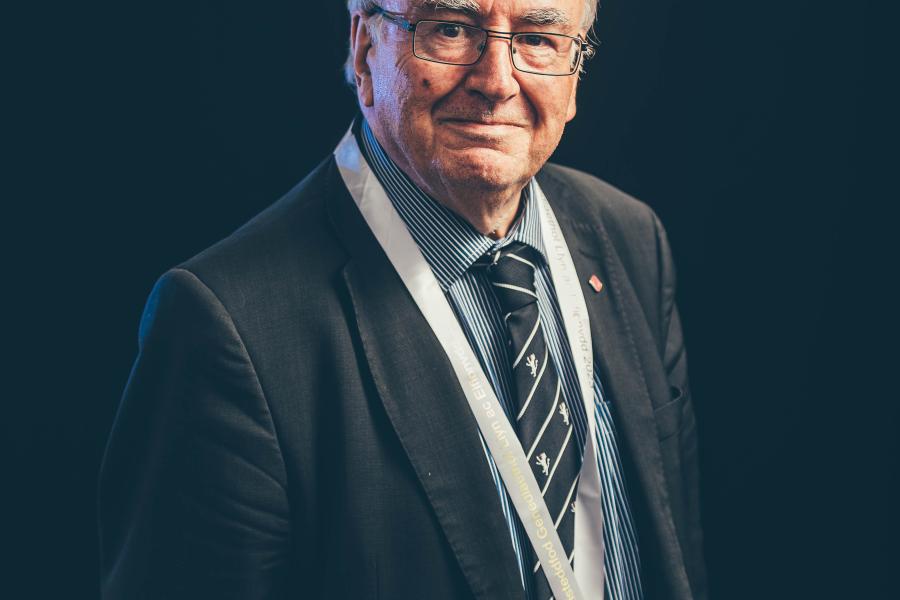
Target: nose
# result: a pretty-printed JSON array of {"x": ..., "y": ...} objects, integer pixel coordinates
[{"x": 493, "y": 75}]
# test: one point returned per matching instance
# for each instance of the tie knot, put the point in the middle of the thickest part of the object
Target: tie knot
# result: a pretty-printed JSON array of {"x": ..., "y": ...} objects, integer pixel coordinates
[{"x": 511, "y": 271}]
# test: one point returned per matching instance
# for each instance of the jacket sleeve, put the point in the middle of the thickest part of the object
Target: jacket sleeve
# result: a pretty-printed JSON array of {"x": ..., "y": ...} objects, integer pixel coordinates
[
  {"x": 675, "y": 362},
  {"x": 192, "y": 489}
]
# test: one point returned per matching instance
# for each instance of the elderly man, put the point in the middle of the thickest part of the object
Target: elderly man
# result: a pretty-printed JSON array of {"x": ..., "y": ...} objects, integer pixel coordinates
[{"x": 438, "y": 368}]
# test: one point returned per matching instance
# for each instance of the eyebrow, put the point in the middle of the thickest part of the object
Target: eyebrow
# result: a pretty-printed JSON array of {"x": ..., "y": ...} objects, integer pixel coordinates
[
  {"x": 545, "y": 16},
  {"x": 469, "y": 7},
  {"x": 535, "y": 16}
]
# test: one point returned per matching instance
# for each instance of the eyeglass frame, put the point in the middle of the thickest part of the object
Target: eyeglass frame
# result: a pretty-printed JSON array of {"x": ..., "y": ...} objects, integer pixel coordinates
[{"x": 585, "y": 50}]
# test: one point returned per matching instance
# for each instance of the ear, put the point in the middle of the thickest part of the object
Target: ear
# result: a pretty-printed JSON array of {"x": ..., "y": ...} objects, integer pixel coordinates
[
  {"x": 360, "y": 45},
  {"x": 572, "y": 108}
]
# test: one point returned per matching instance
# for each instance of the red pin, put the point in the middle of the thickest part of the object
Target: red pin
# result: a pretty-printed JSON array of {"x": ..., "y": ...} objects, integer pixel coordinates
[{"x": 596, "y": 283}]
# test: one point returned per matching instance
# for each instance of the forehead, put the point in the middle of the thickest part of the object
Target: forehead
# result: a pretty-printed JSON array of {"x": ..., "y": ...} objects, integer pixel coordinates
[{"x": 548, "y": 12}]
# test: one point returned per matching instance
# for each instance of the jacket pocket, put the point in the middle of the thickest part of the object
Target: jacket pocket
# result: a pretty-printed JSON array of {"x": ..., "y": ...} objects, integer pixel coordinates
[{"x": 669, "y": 415}]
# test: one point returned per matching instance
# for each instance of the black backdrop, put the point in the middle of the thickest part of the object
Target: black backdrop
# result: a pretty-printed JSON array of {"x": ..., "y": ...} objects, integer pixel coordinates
[{"x": 758, "y": 131}]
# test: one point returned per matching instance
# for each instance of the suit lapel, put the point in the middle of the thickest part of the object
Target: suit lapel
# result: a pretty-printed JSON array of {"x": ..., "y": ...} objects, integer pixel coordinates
[
  {"x": 614, "y": 313},
  {"x": 426, "y": 407},
  {"x": 623, "y": 374}
]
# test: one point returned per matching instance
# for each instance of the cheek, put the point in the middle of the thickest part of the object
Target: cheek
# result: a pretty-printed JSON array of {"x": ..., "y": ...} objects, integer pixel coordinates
[
  {"x": 390, "y": 81},
  {"x": 406, "y": 94},
  {"x": 553, "y": 107}
]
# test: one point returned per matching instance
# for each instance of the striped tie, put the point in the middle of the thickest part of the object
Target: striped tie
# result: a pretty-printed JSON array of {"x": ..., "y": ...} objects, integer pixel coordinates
[{"x": 543, "y": 420}]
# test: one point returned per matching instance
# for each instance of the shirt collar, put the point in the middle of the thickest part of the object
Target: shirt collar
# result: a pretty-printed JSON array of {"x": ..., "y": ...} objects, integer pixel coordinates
[{"x": 448, "y": 242}]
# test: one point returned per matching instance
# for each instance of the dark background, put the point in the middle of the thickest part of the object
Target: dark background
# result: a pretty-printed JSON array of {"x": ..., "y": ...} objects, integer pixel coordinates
[{"x": 760, "y": 132}]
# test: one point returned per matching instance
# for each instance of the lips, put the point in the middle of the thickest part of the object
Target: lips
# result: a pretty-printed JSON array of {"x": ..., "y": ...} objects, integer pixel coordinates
[{"x": 484, "y": 122}]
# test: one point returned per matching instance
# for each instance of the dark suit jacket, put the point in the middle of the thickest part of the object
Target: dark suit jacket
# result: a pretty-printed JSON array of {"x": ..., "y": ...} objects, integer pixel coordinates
[{"x": 292, "y": 428}]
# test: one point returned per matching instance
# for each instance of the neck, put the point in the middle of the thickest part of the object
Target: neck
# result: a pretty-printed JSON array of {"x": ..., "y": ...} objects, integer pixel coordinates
[
  {"x": 493, "y": 214},
  {"x": 490, "y": 209}
]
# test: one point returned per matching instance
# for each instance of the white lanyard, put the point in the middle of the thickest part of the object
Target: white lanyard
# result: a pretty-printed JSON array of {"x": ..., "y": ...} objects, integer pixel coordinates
[
  {"x": 496, "y": 430},
  {"x": 588, "y": 532}
]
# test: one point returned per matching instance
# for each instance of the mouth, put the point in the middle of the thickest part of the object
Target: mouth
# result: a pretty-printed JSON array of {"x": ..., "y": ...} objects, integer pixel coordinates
[
  {"x": 482, "y": 131},
  {"x": 478, "y": 122}
]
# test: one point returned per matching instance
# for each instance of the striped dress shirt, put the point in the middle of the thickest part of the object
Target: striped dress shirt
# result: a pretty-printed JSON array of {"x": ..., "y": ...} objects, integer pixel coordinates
[{"x": 451, "y": 246}]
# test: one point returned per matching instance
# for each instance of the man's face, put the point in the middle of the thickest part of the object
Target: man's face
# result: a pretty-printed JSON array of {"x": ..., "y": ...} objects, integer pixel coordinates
[{"x": 488, "y": 125}]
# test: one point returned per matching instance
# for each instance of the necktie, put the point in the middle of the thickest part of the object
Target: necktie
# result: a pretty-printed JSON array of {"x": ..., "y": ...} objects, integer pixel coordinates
[{"x": 542, "y": 418}]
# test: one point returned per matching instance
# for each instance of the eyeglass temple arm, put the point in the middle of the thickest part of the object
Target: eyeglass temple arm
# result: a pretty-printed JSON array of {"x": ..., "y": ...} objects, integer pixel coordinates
[
  {"x": 377, "y": 10},
  {"x": 589, "y": 49}
]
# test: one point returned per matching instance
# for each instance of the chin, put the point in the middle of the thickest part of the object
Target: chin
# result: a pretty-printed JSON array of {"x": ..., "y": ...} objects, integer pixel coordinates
[{"x": 482, "y": 167}]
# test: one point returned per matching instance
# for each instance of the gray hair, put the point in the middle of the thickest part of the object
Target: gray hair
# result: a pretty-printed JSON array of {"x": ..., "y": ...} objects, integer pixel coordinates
[{"x": 367, "y": 6}]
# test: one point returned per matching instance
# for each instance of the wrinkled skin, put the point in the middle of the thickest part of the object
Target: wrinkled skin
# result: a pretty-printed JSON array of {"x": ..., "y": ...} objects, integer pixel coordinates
[{"x": 471, "y": 137}]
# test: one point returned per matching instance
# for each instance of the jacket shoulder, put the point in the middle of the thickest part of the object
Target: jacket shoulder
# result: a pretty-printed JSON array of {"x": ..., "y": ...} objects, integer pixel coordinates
[
  {"x": 618, "y": 227},
  {"x": 581, "y": 194},
  {"x": 286, "y": 230},
  {"x": 586, "y": 200},
  {"x": 286, "y": 256}
]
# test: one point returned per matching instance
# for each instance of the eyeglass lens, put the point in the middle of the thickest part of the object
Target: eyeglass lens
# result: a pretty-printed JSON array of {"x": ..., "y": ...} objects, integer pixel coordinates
[{"x": 458, "y": 44}]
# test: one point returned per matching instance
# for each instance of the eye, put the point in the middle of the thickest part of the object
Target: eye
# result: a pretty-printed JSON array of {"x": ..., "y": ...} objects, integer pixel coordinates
[
  {"x": 534, "y": 40},
  {"x": 449, "y": 30}
]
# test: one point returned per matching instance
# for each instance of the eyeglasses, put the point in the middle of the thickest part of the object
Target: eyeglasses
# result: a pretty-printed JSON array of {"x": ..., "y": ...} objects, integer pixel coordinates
[{"x": 452, "y": 43}]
